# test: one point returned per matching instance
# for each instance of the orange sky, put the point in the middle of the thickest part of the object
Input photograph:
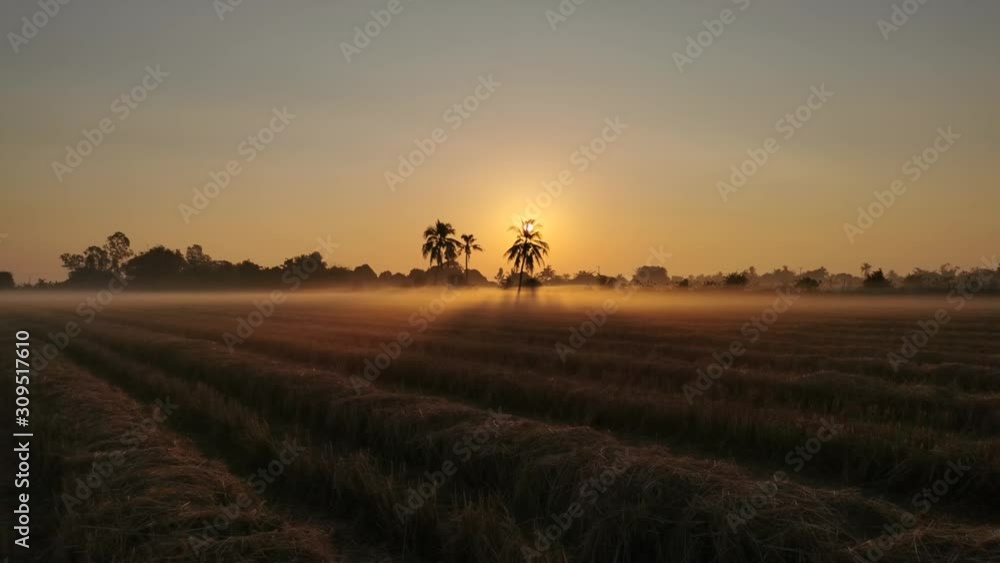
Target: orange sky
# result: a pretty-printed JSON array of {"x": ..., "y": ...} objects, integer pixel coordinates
[{"x": 654, "y": 185}]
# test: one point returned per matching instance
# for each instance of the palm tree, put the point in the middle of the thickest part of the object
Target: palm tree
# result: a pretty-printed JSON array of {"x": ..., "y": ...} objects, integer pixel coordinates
[
  {"x": 438, "y": 245},
  {"x": 468, "y": 245},
  {"x": 866, "y": 268},
  {"x": 528, "y": 249}
]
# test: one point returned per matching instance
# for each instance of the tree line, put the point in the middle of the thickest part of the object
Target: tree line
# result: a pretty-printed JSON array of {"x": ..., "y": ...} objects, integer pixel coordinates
[{"x": 449, "y": 256}]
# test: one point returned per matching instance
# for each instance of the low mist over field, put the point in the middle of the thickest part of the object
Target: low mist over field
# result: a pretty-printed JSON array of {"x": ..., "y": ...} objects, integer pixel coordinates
[
  {"x": 549, "y": 306},
  {"x": 590, "y": 424}
]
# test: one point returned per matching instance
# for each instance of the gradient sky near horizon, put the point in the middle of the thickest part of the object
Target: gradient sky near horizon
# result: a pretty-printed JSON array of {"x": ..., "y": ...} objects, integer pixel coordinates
[{"x": 323, "y": 176}]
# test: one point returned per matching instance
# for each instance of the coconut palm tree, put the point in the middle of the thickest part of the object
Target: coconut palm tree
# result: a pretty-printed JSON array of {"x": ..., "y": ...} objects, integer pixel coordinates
[
  {"x": 528, "y": 249},
  {"x": 468, "y": 245},
  {"x": 438, "y": 245}
]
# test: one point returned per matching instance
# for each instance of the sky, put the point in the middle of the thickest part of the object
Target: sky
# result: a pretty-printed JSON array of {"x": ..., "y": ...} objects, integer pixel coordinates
[{"x": 532, "y": 86}]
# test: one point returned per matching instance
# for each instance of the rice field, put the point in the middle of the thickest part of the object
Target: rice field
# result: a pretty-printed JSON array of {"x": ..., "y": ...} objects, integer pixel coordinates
[{"x": 475, "y": 426}]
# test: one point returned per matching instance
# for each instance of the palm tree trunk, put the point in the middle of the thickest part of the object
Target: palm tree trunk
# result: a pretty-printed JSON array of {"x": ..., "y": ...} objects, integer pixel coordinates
[
  {"x": 466, "y": 269},
  {"x": 520, "y": 276}
]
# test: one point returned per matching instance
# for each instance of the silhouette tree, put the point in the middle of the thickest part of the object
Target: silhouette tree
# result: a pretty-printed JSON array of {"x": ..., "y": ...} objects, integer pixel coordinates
[
  {"x": 96, "y": 259},
  {"x": 157, "y": 266},
  {"x": 807, "y": 283},
  {"x": 416, "y": 277},
  {"x": 71, "y": 262},
  {"x": 866, "y": 269},
  {"x": 528, "y": 249},
  {"x": 119, "y": 249},
  {"x": 6, "y": 280},
  {"x": 365, "y": 274},
  {"x": 876, "y": 280},
  {"x": 547, "y": 275},
  {"x": 439, "y": 246},
  {"x": 468, "y": 245},
  {"x": 894, "y": 278},
  {"x": 97, "y": 263},
  {"x": 820, "y": 274},
  {"x": 247, "y": 270},
  {"x": 737, "y": 279},
  {"x": 90, "y": 267},
  {"x": 196, "y": 258},
  {"x": 651, "y": 275},
  {"x": 305, "y": 263}
]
